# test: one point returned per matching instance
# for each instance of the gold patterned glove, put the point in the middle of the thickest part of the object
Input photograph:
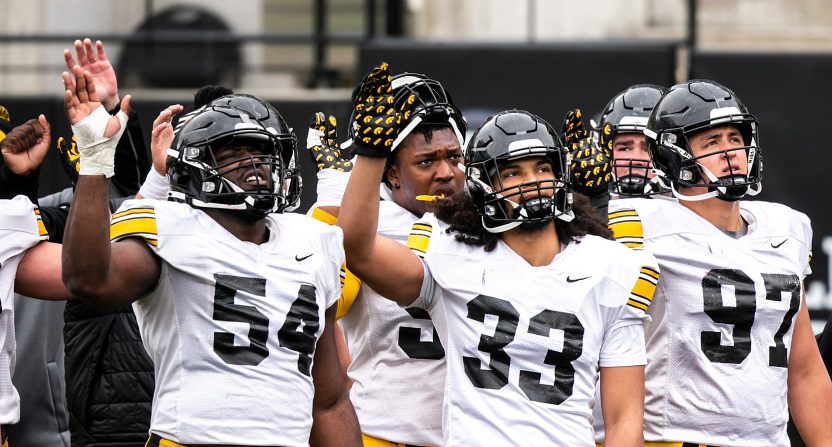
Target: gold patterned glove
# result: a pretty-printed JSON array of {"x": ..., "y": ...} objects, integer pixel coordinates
[
  {"x": 573, "y": 128},
  {"x": 377, "y": 121},
  {"x": 321, "y": 142},
  {"x": 590, "y": 168}
]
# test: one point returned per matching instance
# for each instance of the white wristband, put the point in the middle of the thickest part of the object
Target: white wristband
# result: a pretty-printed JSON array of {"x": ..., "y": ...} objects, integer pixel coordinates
[
  {"x": 331, "y": 186},
  {"x": 156, "y": 186},
  {"x": 98, "y": 152}
]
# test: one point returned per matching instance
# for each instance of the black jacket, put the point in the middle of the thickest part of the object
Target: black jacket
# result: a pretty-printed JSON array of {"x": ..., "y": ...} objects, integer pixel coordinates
[{"x": 109, "y": 377}]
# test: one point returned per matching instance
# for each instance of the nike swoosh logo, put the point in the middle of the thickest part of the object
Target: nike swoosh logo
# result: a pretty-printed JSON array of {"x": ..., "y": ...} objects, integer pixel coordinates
[
  {"x": 301, "y": 258},
  {"x": 778, "y": 245},
  {"x": 570, "y": 279}
]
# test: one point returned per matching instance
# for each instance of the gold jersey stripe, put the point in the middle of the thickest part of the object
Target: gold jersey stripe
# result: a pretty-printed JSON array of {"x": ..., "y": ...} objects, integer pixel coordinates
[
  {"x": 627, "y": 229},
  {"x": 133, "y": 211},
  {"x": 644, "y": 289},
  {"x": 422, "y": 227},
  {"x": 323, "y": 216},
  {"x": 44, "y": 235},
  {"x": 144, "y": 227},
  {"x": 650, "y": 272},
  {"x": 633, "y": 303},
  {"x": 622, "y": 213},
  {"x": 350, "y": 285},
  {"x": 419, "y": 239}
]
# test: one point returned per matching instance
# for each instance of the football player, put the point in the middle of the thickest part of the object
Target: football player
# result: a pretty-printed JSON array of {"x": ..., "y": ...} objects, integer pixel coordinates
[
  {"x": 526, "y": 308},
  {"x": 28, "y": 264},
  {"x": 397, "y": 363},
  {"x": 621, "y": 132},
  {"x": 730, "y": 348},
  {"x": 234, "y": 300}
]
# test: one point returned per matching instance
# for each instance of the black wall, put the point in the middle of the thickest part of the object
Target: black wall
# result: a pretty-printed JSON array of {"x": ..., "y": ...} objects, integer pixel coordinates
[{"x": 789, "y": 93}]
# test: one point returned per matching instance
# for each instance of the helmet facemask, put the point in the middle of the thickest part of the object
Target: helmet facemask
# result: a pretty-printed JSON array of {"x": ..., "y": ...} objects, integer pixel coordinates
[
  {"x": 198, "y": 178},
  {"x": 627, "y": 113},
  {"x": 529, "y": 205},
  {"x": 691, "y": 173}
]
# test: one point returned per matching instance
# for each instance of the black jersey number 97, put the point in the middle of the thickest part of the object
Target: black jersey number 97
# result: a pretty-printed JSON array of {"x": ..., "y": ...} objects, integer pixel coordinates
[
  {"x": 741, "y": 316},
  {"x": 304, "y": 310},
  {"x": 496, "y": 375}
]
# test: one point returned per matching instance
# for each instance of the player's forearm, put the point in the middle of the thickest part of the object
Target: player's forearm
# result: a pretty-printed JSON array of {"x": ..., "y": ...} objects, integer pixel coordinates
[
  {"x": 86, "y": 244},
  {"x": 335, "y": 426},
  {"x": 627, "y": 432},
  {"x": 810, "y": 404},
  {"x": 358, "y": 216}
]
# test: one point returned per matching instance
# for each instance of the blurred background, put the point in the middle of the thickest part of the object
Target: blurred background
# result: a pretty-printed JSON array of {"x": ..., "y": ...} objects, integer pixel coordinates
[{"x": 546, "y": 56}]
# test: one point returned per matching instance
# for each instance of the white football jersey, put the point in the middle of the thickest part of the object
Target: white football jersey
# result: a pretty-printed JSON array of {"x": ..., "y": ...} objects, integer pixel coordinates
[
  {"x": 398, "y": 362},
  {"x": 232, "y": 326},
  {"x": 20, "y": 229},
  {"x": 523, "y": 344},
  {"x": 723, "y": 316}
]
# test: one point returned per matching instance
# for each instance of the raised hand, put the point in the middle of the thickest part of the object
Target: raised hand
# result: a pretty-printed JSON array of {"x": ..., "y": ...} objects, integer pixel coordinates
[
  {"x": 81, "y": 99},
  {"x": 377, "y": 121},
  {"x": 573, "y": 128},
  {"x": 161, "y": 137},
  {"x": 94, "y": 60},
  {"x": 25, "y": 147},
  {"x": 321, "y": 142},
  {"x": 96, "y": 132},
  {"x": 591, "y": 168}
]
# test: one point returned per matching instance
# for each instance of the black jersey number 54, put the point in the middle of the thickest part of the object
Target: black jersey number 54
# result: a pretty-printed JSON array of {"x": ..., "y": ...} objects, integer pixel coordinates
[{"x": 304, "y": 310}]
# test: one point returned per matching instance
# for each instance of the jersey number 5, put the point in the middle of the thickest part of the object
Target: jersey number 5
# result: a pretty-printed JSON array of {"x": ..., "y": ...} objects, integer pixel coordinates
[
  {"x": 496, "y": 376},
  {"x": 303, "y": 310},
  {"x": 742, "y": 315}
]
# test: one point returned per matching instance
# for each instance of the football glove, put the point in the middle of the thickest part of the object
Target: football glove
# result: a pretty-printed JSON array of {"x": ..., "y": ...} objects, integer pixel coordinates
[
  {"x": 377, "y": 120},
  {"x": 591, "y": 168},
  {"x": 322, "y": 146},
  {"x": 573, "y": 128}
]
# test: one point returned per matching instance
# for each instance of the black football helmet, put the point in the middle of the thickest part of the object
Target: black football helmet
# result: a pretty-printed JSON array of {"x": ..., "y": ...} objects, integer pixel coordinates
[
  {"x": 271, "y": 119},
  {"x": 511, "y": 135},
  {"x": 434, "y": 106},
  {"x": 688, "y": 108},
  {"x": 199, "y": 180},
  {"x": 628, "y": 112}
]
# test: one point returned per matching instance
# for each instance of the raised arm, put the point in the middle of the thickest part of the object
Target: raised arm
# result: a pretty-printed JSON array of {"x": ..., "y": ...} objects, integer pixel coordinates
[
  {"x": 390, "y": 268},
  {"x": 92, "y": 58},
  {"x": 23, "y": 151},
  {"x": 94, "y": 269}
]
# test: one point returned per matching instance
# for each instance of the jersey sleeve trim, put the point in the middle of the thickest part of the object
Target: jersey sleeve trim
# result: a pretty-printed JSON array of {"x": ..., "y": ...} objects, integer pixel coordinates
[
  {"x": 323, "y": 216},
  {"x": 42, "y": 233},
  {"x": 419, "y": 238},
  {"x": 642, "y": 294},
  {"x": 626, "y": 228},
  {"x": 135, "y": 222},
  {"x": 350, "y": 285}
]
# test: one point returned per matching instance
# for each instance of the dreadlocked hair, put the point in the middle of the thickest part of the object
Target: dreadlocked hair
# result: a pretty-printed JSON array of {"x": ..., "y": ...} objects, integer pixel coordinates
[{"x": 466, "y": 225}]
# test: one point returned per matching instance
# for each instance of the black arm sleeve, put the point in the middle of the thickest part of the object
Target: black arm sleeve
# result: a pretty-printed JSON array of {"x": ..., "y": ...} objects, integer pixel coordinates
[
  {"x": 132, "y": 159},
  {"x": 54, "y": 219}
]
